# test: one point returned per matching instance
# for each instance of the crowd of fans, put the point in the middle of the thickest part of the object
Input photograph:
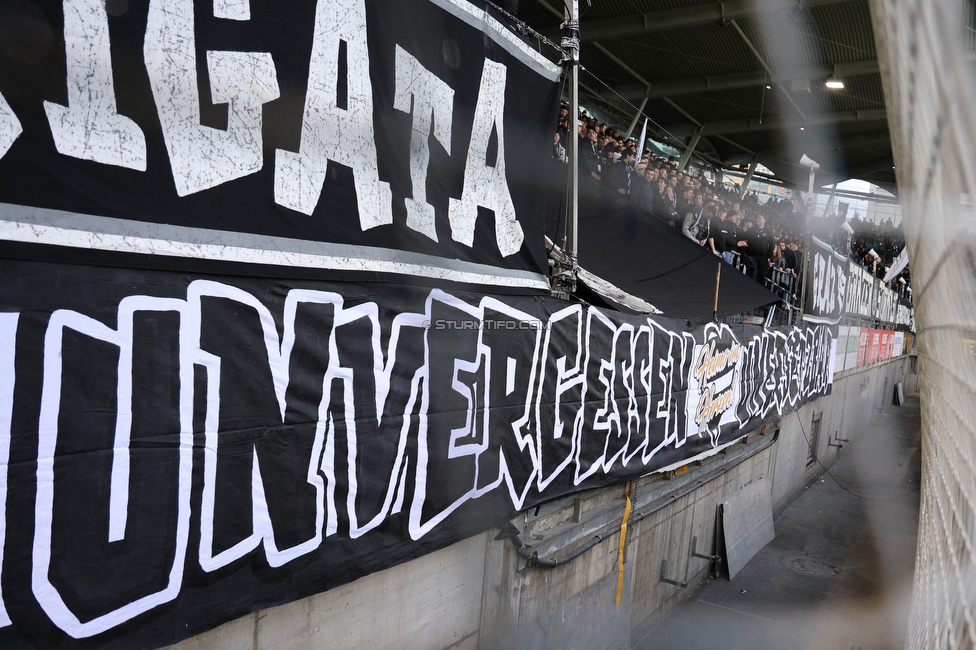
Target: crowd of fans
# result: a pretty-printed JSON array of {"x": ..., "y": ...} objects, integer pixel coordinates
[
  {"x": 884, "y": 238},
  {"x": 872, "y": 246},
  {"x": 875, "y": 246},
  {"x": 761, "y": 239}
]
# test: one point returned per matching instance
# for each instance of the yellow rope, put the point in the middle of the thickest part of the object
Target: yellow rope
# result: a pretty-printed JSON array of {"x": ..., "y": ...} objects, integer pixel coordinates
[{"x": 623, "y": 542}]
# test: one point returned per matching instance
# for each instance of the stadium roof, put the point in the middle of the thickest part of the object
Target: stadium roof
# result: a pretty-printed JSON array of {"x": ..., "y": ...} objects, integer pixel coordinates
[{"x": 744, "y": 77}]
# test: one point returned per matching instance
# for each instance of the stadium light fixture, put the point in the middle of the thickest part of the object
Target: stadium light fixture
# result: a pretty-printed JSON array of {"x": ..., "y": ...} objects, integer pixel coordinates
[{"x": 834, "y": 83}]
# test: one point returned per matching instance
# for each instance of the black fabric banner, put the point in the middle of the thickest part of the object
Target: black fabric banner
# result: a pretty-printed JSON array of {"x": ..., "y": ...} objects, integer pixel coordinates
[
  {"x": 826, "y": 280},
  {"x": 398, "y": 136},
  {"x": 179, "y": 450},
  {"x": 626, "y": 245},
  {"x": 180, "y": 447},
  {"x": 837, "y": 287}
]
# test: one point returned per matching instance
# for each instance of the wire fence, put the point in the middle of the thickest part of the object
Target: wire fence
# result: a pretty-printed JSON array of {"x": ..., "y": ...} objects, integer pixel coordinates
[{"x": 928, "y": 74}]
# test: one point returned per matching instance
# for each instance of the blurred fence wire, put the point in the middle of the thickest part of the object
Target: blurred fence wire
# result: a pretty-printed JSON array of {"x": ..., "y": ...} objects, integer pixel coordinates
[{"x": 926, "y": 57}]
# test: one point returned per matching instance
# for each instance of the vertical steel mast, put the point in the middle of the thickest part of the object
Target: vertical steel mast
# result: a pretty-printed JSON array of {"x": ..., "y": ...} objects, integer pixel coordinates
[{"x": 566, "y": 278}]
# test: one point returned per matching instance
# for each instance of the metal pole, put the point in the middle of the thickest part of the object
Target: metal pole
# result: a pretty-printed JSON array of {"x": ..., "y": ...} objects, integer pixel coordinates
[
  {"x": 686, "y": 156},
  {"x": 769, "y": 70},
  {"x": 830, "y": 200},
  {"x": 633, "y": 122},
  {"x": 804, "y": 269},
  {"x": 718, "y": 281},
  {"x": 571, "y": 47},
  {"x": 748, "y": 178}
]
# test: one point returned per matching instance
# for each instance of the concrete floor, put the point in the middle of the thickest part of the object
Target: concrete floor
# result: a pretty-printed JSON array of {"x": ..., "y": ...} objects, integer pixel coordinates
[{"x": 839, "y": 573}]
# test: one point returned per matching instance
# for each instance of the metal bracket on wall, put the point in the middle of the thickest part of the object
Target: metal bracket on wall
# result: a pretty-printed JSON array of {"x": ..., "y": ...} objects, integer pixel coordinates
[
  {"x": 694, "y": 546},
  {"x": 837, "y": 439},
  {"x": 716, "y": 559},
  {"x": 664, "y": 572}
]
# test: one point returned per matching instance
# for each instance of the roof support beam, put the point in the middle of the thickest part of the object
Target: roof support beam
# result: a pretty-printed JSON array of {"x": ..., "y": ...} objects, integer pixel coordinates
[
  {"x": 734, "y": 81},
  {"x": 599, "y": 99},
  {"x": 792, "y": 173},
  {"x": 647, "y": 85},
  {"x": 748, "y": 179},
  {"x": 633, "y": 73},
  {"x": 682, "y": 17},
  {"x": 769, "y": 70},
  {"x": 774, "y": 122},
  {"x": 889, "y": 187},
  {"x": 633, "y": 122},
  {"x": 689, "y": 150},
  {"x": 737, "y": 80},
  {"x": 880, "y": 164},
  {"x": 814, "y": 147}
]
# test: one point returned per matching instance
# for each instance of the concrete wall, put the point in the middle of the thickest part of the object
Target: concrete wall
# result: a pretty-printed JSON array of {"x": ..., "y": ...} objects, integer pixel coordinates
[
  {"x": 476, "y": 593},
  {"x": 432, "y": 602},
  {"x": 858, "y": 396}
]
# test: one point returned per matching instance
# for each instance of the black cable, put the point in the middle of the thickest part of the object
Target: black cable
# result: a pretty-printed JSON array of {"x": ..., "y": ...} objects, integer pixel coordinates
[
  {"x": 839, "y": 484},
  {"x": 563, "y": 199},
  {"x": 524, "y": 27},
  {"x": 563, "y": 213},
  {"x": 527, "y": 29},
  {"x": 640, "y": 112}
]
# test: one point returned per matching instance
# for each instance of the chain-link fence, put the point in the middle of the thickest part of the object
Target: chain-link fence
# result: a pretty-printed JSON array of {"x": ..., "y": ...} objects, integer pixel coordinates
[{"x": 928, "y": 74}]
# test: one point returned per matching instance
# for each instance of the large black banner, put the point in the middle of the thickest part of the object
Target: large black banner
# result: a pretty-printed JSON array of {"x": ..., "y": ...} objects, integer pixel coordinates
[
  {"x": 826, "y": 280},
  {"x": 177, "y": 451},
  {"x": 395, "y": 136},
  {"x": 624, "y": 244},
  {"x": 837, "y": 287},
  {"x": 206, "y": 407}
]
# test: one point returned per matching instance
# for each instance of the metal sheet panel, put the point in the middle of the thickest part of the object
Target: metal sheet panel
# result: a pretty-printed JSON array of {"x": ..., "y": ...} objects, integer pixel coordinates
[{"x": 747, "y": 522}]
